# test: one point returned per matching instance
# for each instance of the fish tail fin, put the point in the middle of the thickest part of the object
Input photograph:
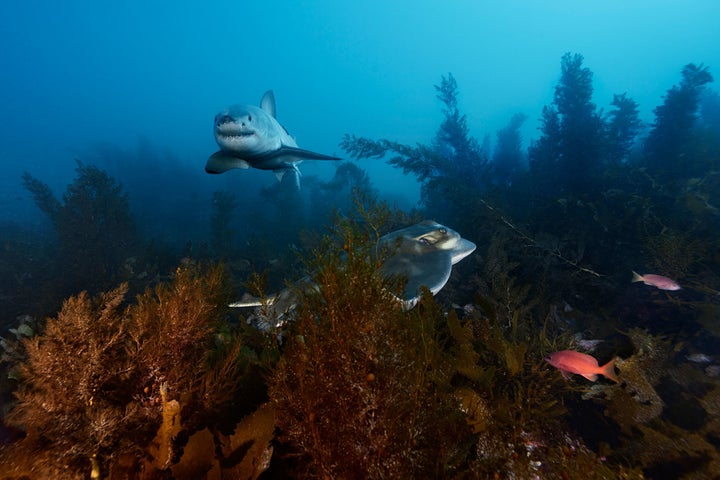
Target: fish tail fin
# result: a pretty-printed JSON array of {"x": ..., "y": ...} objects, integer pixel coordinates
[
  {"x": 608, "y": 370},
  {"x": 636, "y": 277}
]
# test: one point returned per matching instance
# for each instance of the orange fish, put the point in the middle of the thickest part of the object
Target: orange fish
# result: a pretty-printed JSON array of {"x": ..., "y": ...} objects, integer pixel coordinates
[{"x": 570, "y": 361}]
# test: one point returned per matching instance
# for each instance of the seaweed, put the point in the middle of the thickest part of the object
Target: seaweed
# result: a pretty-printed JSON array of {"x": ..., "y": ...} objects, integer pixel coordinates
[
  {"x": 673, "y": 128},
  {"x": 651, "y": 408},
  {"x": 72, "y": 398},
  {"x": 676, "y": 253},
  {"x": 361, "y": 388},
  {"x": 453, "y": 170},
  {"x": 95, "y": 232},
  {"x": 104, "y": 378},
  {"x": 223, "y": 236}
]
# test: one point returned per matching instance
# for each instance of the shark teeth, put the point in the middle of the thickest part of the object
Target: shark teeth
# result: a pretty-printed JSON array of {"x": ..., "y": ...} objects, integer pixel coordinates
[
  {"x": 234, "y": 130},
  {"x": 238, "y": 135}
]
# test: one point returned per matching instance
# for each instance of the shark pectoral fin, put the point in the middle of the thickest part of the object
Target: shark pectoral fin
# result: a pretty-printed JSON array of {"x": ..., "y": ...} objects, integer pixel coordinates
[
  {"x": 221, "y": 162},
  {"x": 302, "y": 154}
]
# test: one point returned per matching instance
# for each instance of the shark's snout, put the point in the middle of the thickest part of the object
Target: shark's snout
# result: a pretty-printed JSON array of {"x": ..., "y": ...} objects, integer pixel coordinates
[
  {"x": 221, "y": 120},
  {"x": 230, "y": 128}
]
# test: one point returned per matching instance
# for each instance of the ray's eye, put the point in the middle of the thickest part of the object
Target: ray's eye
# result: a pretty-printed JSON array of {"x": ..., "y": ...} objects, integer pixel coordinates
[
  {"x": 425, "y": 241},
  {"x": 443, "y": 231}
]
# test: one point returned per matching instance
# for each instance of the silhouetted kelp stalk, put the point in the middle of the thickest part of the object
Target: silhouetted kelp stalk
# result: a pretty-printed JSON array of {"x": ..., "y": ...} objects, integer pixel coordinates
[
  {"x": 451, "y": 171},
  {"x": 665, "y": 148},
  {"x": 95, "y": 231},
  {"x": 533, "y": 243},
  {"x": 223, "y": 235}
]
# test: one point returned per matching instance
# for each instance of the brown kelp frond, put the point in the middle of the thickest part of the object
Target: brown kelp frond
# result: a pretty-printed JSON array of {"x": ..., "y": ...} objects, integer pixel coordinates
[
  {"x": 101, "y": 378},
  {"x": 636, "y": 401},
  {"x": 357, "y": 391},
  {"x": 676, "y": 253},
  {"x": 512, "y": 401},
  {"x": 173, "y": 324},
  {"x": 666, "y": 413},
  {"x": 72, "y": 390}
]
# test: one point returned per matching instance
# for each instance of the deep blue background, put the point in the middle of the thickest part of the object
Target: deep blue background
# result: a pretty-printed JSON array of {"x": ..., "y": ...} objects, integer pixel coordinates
[{"x": 79, "y": 75}]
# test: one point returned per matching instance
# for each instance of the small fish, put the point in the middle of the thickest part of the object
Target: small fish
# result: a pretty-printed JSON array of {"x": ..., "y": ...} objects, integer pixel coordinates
[
  {"x": 699, "y": 358},
  {"x": 658, "y": 281},
  {"x": 585, "y": 343},
  {"x": 570, "y": 361}
]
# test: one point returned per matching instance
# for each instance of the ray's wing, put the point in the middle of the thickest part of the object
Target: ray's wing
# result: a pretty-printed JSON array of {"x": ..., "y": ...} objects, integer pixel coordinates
[
  {"x": 431, "y": 269},
  {"x": 462, "y": 250}
]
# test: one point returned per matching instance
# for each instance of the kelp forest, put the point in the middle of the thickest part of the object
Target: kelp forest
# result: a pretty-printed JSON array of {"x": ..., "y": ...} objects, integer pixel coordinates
[{"x": 121, "y": 357}]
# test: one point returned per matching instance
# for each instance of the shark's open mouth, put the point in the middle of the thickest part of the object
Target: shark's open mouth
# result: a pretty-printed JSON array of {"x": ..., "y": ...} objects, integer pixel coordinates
[
  {"x": 235, "y": 134},
  {"x": 238, "y": 135}
]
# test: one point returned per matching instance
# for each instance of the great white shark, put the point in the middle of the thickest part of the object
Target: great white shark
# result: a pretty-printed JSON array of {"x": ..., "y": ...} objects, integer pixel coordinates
[{"x": 250, "y": 136}]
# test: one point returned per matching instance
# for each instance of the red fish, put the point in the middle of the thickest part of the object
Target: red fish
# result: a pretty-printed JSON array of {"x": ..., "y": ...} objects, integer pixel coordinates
[
  {"x": 658, "y": 281},
  {"x": 570, "y": 361}
]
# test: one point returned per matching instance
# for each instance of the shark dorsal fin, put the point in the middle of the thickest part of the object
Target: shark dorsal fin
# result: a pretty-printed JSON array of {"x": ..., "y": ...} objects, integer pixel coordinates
[{"x": 268, "y": 103}]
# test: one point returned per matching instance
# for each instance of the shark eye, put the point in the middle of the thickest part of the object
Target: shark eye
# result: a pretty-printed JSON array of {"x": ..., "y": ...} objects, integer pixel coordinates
[
  {"x": 249, "y": 118},
  {"x": 443, "y": 231},
  {"x": 424, "y": 241}
]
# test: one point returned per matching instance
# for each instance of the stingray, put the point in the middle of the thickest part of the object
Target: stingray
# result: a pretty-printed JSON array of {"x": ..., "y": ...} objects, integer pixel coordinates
[{"x": 421, "y": 255}]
